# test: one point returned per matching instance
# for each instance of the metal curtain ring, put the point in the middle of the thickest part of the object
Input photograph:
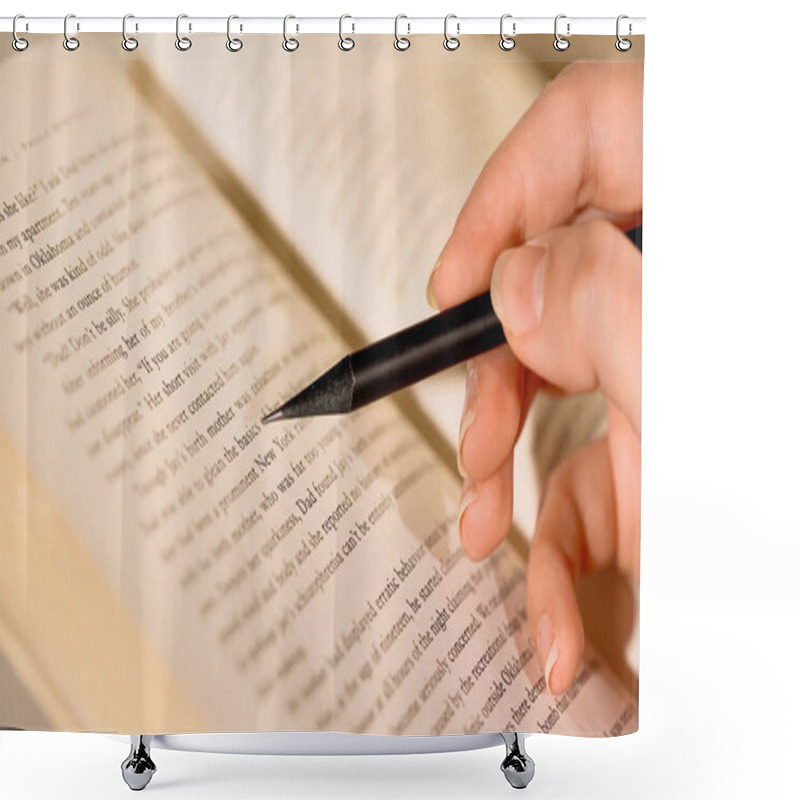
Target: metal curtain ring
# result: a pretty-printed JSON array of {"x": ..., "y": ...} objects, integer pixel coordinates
[
  {"x": 345, "y": 42},
  {"x": 289, "y": 44},
  {"x": 560, "y": 42},
  {"x": 451, "y": 42},
  {"x": 506, "y": 42},
  {"x": 128, "y": 42},
  {"x": 233, "y": 44},
  {"x": 183, "y": 43},
  {"x": 18, "y": 43},
  {"x": 400, "y": 42},
  {"x": 623, "y": 45},
  {"x": 71, "y": 43}
]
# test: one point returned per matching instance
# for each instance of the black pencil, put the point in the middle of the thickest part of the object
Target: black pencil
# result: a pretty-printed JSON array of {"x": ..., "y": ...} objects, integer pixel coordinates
[{"x": 405, "y": 357}]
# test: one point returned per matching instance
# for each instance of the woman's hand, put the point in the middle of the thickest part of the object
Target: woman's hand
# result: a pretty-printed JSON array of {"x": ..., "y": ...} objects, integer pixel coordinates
[{"x": 541, "y": 227}]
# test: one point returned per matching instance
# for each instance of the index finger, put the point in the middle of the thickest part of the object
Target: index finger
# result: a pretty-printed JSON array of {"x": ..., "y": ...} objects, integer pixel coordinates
[{"x": 579, "y": 146}]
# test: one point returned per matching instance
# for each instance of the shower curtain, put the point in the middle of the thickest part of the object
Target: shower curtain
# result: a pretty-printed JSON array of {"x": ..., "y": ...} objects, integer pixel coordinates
[{"x": 188, "y": 236}]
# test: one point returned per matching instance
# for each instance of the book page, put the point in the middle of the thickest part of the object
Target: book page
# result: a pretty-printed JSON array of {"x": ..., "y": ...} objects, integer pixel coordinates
[
  {"x": 302, "y": 576},
  {"x": 364, "y": 160}
]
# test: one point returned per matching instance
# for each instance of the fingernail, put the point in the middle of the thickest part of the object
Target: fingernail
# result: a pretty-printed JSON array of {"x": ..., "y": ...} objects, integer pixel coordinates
[
  {"x": 429, "y": 290},
  {"x": 547, "y": 644},
  {"x": 469, "y": 494},
  {"x": 517, "y": 287},
  {"x": 468, "y": 414}
]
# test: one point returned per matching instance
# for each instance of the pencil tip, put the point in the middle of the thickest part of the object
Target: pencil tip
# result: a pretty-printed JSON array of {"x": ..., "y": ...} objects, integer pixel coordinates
[{"x": 272, "y": 416}]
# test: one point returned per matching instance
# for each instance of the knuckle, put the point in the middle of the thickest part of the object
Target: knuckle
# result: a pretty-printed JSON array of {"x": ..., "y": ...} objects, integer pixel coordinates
[
  {"x": 597, "y": 247},
  {"x": 595, "y": 254},
  {"x": 601, "y": 234}
]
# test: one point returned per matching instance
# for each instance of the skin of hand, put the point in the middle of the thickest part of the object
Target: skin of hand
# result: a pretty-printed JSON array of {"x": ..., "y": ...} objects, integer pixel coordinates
[{"x": 542, "y": 228}]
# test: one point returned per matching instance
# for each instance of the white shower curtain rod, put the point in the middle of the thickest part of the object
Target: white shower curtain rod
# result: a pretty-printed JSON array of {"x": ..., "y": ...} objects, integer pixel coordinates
[{"x": 406, "y": 26}]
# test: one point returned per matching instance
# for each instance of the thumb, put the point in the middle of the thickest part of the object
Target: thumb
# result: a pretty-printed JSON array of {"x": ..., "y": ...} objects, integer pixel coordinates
[{"x": 571, "y": 307}]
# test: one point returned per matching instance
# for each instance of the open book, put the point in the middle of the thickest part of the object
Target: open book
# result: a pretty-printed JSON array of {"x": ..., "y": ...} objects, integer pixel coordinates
[{"x": 184, "y": 243}]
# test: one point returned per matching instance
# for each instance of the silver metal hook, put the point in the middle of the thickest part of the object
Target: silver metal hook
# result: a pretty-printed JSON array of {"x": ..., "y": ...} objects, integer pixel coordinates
[
  {"x": 289, "y": 44},
  {"x": 401, "y": 42},
  {"x": 506, "y": 42},
  {"x": 233, "y": 44},
  {"x": 183, "y": 43},
  {"x": 560, "y": 42},
  {"x": 451, "y": 42},
  {"x": 18, "y": 43},
  {"x": 128, "y": 42},
  {"x": 623, "y": 45},
  {"x": 345, "y": 42},
  {"x": 71, "y": 43}
]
